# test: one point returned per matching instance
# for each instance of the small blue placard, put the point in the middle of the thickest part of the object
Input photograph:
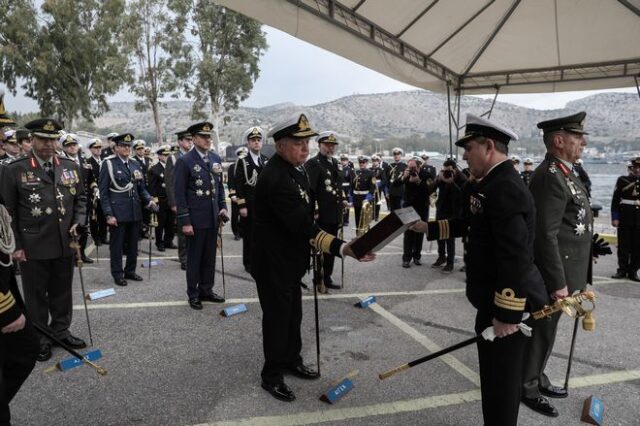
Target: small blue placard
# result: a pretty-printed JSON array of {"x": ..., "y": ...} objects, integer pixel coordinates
[
  {"x": 366, "y": 302},
  {"x": 337, "y": 392},
  {"x": 593, "y": 411},
  {"x": 145, "y": 264},
  {"x": 100, "y": 294},
  {"x": 234, "y": 310},
  {"x": 69, "y": 363}
]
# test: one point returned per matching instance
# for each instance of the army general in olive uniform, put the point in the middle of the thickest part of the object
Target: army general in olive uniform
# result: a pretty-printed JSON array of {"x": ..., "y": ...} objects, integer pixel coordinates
[
  {"x": 46, "y": 198},
  {"x": 564, "y": 229}
]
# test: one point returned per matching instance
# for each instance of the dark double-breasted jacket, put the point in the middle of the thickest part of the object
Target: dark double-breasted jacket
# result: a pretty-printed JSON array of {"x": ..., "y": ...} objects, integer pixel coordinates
[
  {"x": 199, "y": 190},
  {"x": 122, "y": 189}
]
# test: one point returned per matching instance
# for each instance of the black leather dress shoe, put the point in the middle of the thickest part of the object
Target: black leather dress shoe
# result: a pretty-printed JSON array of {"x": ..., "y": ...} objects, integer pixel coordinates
[
  {"x": 87, "y": 260},
  {"x": 554, "y": 392},
  {"x": 417, "y": 262},
  {"x": 183, "y": 266},
  {"x": 332, "y": 286},
  {"x": 120, "y": 281},
  {"x": 74, "y": 342},
  {"x": 215, "y": 298},
  {"x": 279, "y": 391},
  {"x": 304, "y": 372},
  {"x": 633, "y": 276},
  {"x": 195, "y": 303},
  {"x": 541, "y": 405},
  {"x": 619, "y": 274},
  {"x": 160, "y": 248},
  {"x": 134, "y": 277},
  {"x": 45, "y": 352},
  {"x": 406, "y": 264}
]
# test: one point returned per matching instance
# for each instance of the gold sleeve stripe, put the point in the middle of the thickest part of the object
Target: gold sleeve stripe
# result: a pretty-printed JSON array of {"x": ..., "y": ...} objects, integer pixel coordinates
[
  {"x": 443, "y": 227},
  {"x": 323, "y": 241},
  {"x": 232, "y": 192},
  {"x": 241, "y": 201},
  {"x": 6, "y": 302},
  {"x": 507, "y": 300}
]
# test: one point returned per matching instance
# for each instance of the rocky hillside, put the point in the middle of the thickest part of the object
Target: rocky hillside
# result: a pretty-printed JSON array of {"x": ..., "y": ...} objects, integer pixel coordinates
[{"x": 611, "y": 116}]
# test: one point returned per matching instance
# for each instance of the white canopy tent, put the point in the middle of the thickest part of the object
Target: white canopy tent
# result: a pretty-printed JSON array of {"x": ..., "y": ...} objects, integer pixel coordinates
[{"x": 471, "y": 46}]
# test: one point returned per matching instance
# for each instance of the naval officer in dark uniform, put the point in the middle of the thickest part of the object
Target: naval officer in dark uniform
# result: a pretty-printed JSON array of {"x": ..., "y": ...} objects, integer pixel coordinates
[
  {"x": 326, "y": 196},
  {"x": 502, "y": 280},
  {"x": 200, "y": 200},
  {"x": 97, "y": 221},
  {"x": 247, "y": 169},
  {"x": 283, "y": 230},
  {"x": 122, "y": 191},
  {"x": 346, "y": 174},
  {"x": 18, "y": 341},
  {"x": 363, "y": 187},
  {"x": 625, "y": 216},
  {"x": 394, "y": 179},
  {"x": 231, "y": 185},
  {"x": 46, "y": 198},
  {"x": 157, "y": 188},
  {"x": 564, "y": 229},
  {"x": 185, "y": 144}
]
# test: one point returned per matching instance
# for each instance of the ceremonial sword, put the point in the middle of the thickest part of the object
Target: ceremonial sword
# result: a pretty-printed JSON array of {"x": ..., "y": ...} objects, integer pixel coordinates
[
  {"x": 75, "y": 244},
  {"x": 569, "y": 305}
]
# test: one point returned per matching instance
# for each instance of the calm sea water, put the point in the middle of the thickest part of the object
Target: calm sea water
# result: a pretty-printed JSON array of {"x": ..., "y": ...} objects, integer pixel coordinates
[{"x": 603, "y": 180}]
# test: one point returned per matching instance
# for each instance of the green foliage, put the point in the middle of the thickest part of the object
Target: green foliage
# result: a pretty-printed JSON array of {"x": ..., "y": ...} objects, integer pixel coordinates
[
  {"x": 225, "y": 61},
  {"x": 68, "y": 54},
  {"x": 160, "y": 59}
]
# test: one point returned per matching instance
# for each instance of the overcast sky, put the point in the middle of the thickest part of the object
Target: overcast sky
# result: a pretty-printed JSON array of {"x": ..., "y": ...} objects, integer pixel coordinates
[{"x": 295, "y": 71}]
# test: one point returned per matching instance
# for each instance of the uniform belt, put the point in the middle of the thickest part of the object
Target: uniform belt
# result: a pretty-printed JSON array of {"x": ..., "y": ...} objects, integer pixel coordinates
[
  {"x": 361, "y": 192},
  {"x": 630, "y": 202}
]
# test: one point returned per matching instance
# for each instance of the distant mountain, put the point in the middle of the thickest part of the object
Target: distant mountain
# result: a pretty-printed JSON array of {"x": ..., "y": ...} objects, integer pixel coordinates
[{"x": 611, "y": 116}]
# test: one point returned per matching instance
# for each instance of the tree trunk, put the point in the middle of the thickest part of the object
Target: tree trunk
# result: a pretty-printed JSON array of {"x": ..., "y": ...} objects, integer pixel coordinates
[
  {"x": 215, "y": 117},
  {"x": 157, "y": 120}
]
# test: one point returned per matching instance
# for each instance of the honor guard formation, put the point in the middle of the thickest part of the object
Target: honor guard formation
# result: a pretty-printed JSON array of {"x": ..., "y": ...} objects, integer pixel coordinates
[{"x": 528, "y": 237}]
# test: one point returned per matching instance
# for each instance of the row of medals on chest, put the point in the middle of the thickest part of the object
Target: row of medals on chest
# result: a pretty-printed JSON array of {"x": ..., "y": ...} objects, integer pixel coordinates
[
  {"x": 199, "y": 182},
  {"x": 35, "y": 199},
  {"x": 580, "y": 227}
]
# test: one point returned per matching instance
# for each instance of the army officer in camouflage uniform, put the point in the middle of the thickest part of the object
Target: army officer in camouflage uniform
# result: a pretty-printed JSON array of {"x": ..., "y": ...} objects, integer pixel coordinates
[{"x": 562, "y": 250}]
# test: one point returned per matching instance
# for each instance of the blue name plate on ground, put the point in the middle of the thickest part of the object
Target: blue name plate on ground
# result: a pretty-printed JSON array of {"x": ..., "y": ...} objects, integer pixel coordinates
[
  {"x": 234, "y": 310},
  {"x": 100, "y": 294},
  {"x": 593, "y": 411},
  {"x": 153, "y": 263},
  {"x": 69, "y": 363},
  {"x": 336, "y": 393},
  {"x": 366, "y": 302}
]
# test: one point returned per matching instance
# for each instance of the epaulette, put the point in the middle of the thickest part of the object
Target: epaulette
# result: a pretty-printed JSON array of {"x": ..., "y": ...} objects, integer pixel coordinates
[
  {"x": 109, "y": 157},
  {"x": 17, "y": 159}
]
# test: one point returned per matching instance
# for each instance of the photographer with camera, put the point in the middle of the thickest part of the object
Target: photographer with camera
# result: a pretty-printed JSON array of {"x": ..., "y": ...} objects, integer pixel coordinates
[
  {"x": 416, "y": 182},
  {"x": 449, "y": 184}
]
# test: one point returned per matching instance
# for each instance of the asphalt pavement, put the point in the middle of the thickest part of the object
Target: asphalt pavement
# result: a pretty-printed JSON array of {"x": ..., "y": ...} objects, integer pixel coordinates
[{"x": 170, "y": 365}]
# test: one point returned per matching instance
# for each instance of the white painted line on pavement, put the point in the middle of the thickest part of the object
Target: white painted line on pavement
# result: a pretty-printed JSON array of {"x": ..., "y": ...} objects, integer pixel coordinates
[
  {"x": 255, "y": 299},
  {"x": 431, "y": 346},
  {"x": 411, "y": 405},
  {"x": 232, "y": 256},
  {"x": 342, "y": 414}
]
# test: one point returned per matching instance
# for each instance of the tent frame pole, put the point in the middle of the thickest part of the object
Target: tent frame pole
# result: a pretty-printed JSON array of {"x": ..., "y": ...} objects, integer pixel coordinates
[{"x": 635, "y": 78}]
